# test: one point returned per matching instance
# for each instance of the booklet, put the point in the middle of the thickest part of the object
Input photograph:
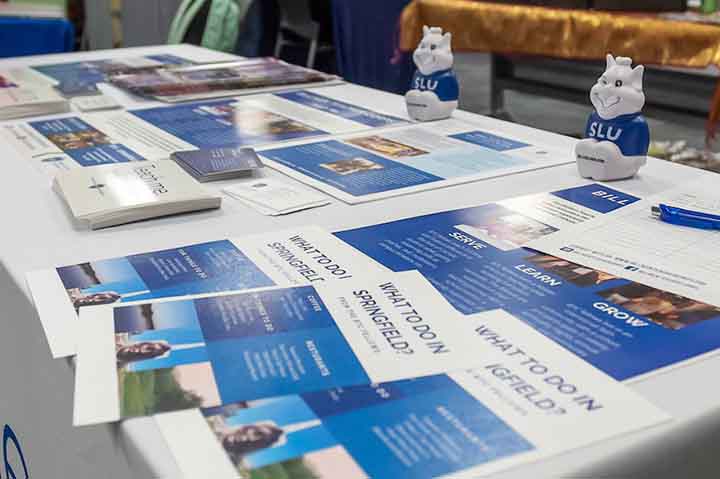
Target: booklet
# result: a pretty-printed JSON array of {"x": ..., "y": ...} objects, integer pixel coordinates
[
  {"x": 305, "y": 255},
  {"x": 623, "y": 327},
  {"x": 212, "y": 80},
  {"x": 528, "y": 399},
  {"x": 384, "y": 163},
  {"x": 218, "y": 163},
  {"x": 172, "y": 354},
  {"x": 116, "y": 194},
  {"x": 156, "y": 133}
]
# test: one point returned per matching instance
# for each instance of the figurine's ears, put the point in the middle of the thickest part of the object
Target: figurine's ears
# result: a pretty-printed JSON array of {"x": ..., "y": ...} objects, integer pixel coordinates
[
  {"x": 445, "y": 41},
  {"x": 610, "y": 61},
  {"x": 426, "y": 30},
  {"x": 636, "y": 77}
]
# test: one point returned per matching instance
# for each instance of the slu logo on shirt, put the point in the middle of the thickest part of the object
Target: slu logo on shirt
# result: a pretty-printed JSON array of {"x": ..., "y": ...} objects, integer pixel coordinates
[
  {"x": 423, "y": 83},
  {"x": 12, "y": 455},
  {"x": 597, "y": 130}
]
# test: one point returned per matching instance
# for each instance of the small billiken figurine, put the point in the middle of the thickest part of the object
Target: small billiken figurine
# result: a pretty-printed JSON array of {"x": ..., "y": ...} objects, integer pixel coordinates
[
  {"x": 434, "y": 91},
  {"x": 616, "y": 136}
]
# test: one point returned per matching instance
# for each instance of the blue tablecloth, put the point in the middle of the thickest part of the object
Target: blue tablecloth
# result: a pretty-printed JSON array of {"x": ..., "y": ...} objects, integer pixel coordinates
[
  {"x": 35, "y": 36},
  {"x": 366, "y": 41}
]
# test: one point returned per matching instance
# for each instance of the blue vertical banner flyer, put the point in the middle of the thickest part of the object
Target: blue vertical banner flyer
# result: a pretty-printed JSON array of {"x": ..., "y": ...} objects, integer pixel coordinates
[
  {"x": 397, "y": 161},
  {"x": 528, "y": 399},
  {"x": 473, "y": 257},
  {"x": 304, "y": 255},
  {"x": 218, "y": 349}
]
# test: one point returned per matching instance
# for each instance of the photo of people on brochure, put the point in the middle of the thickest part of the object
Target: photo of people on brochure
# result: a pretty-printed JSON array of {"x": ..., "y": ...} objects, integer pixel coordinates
[
  {"x": 573, "y": 273},
  {"x": 79, "y": 139},
  {"x": 162, "y": 359},
  {"x": 669, "y": 310},
  {"x": 386, "y": 146},
  {"x": 350, "y": 166},
  {"x": 279, "y": 438}
]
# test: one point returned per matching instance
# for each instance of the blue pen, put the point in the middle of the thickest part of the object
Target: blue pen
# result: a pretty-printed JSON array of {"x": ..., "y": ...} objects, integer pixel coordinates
[{"x": 682, "y": 217}]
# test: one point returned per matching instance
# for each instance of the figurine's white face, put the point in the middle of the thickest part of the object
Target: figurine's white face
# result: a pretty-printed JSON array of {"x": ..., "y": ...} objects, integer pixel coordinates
[
  {"x": 619, "y": 91},
  {"x": 433, "y": 54}
]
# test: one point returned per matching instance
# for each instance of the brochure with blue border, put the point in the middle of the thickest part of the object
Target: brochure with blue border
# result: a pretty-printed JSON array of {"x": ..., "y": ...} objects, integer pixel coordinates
[
  {"x": 172, "y": 354},
  {"x": 473, "y": 257},
  {"x": 155, "y": 133},
  {"x": 527, "y": 400},
  {"x": 305, "y": 255},
  {"x": 381, "y": 164}
]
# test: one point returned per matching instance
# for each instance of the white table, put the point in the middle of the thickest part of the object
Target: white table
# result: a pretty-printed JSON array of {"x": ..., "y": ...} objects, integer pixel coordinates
[{"x": 36, "y": 392}]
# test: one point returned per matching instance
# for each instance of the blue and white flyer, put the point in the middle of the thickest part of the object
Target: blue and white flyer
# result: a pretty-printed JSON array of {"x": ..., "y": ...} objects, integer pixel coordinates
[
  {"x": 281, "y": 258},
  {"x": 526, "y": 400},
  {"x": 473, "y": 257},
  {"x": 154, "y": 133},
  {"x": 398, "y": 161},
  {"x": 172, "y": 354}
]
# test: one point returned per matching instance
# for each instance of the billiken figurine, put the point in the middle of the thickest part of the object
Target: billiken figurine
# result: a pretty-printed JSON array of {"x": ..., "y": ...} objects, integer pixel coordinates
[
  {"x": 434, "y": 91},
  {"x": 616, "y": 136}
]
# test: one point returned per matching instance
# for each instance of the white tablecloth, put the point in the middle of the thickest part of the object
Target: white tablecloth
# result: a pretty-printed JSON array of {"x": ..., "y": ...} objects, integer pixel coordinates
[{"x": 36, "y": 392}]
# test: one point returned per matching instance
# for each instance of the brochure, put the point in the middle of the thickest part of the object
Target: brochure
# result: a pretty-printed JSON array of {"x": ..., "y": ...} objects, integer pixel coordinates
[
  {"x": 528, "y": 399},
  {"x": 20, "y": 102},
  {"x": 381, "y": 164},
  {"x": 97, "y": 71},
  {"x": 155, "y": 133},
  {"x": 274, "y": 197},
  {"x": 279, "y": 258},
  {"x": 172, "y": 354},
  {"x": 217, "y": 164},
  {"x": 117, "y": 194},
  {"x": 473, "y": 257},
  {"x": 212, "y": 80}
]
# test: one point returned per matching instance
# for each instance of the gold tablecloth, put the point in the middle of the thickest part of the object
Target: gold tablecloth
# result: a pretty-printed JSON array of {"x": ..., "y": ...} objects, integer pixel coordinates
[{"x": 564, "y": 33}]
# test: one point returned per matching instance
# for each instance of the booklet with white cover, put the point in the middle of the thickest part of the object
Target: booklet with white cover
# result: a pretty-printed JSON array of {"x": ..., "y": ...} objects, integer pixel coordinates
[
  {"x": 172, "y": 354},
  {"x": 116, "y": 194},
  {"x": 24, "y": 95},
  {"x": 527, "y": 400}
]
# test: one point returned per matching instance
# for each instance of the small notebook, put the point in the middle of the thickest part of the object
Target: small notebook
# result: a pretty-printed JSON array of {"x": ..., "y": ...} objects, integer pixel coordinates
[
  {"x": 216, "y": 164},
  {"x": 110, "y": 195}
]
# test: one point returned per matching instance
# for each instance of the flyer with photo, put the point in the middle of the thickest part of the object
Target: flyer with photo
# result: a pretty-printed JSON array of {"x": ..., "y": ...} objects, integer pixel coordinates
[
  {"x": 527, "y": 399},
  {"x": 381, "y": 164},
  {"x": 97, "y": 71},
  {"x": 299, "y": 256},
  {"x": 473, "y": 256},
  {"x": 171, "y": 354},
  {"x": 155, "y": 133}
]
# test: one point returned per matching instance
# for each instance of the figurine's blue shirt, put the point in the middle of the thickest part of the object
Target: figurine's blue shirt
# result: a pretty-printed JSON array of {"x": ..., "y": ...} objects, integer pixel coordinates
[
  {"x": 629, "y": 132},
  {"x": 443, "y": 83}
]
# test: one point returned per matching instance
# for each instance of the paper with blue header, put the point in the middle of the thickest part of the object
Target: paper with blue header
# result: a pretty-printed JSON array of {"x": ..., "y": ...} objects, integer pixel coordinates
[{"x": 173, "y": 354}]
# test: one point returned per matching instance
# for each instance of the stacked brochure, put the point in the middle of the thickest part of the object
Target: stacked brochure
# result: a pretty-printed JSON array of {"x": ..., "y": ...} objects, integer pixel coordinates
[
  {"x": 116, "y": 194},
  {"x": 216, "y": 164},
  {"x": 20, "y": 98},
  {"x": 211, "y": 80}
]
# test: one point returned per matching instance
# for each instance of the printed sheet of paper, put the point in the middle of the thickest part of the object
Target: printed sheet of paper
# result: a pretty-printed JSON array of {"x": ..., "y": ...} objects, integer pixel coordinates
[
  {"x": 631, "y": 243},
  {"x": 282, "y": 258},
  {"x": 174, "y": 354},
  {"x": 528, "y": 399},
  {"x": 473, "y": 256},
  {"x": 385, "y": 163},
  {"x": 154, "y": 133}
]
